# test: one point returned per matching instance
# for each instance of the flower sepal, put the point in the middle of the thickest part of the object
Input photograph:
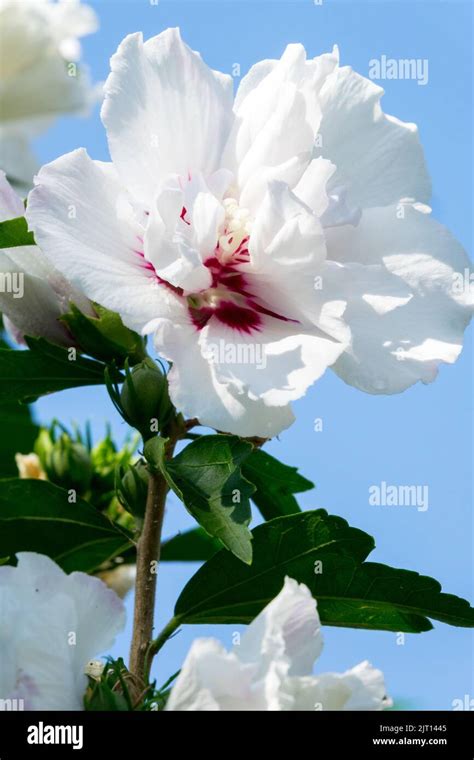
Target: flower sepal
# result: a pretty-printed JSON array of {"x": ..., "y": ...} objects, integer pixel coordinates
[
  {"x": 144, "y": 400},
  {"x": 104, "y": 336}
]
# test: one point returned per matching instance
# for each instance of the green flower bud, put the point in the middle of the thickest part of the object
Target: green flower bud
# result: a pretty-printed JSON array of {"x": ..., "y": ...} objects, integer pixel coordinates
[
  {"x": 145, "y": 400},
  {"x": 133, "y": 487},
  {"x": 43, "y": 446},
  {"x": 69, "y": 464}
]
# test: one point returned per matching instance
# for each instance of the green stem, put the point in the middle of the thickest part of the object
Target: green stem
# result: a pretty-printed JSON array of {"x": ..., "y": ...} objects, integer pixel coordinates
[{"x": 155, "y": 646}]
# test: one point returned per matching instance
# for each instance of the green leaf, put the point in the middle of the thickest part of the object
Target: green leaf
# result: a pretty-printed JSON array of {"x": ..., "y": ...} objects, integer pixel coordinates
[
  {"x": 104, "y": 336},
  {"x": 14, "y": 232},
  {"x": 349, "y": 591},
  {"x": 206, "y": 476},
  {"x": 36, "y": 516},
  {"x": 275, "y": 484},
  {"x": 18, "y": 433},
  {"x": 18, "y": 436},
  {"x": 43, "y": 369},
  {"x": 192, "y": 546}
]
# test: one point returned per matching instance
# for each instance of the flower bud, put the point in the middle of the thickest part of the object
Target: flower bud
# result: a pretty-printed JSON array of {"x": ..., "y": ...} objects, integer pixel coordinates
[
  {"x": 133, "y": 487},
  {"x": 145, "y": 400},
  {"x": 69, "y": 464}
]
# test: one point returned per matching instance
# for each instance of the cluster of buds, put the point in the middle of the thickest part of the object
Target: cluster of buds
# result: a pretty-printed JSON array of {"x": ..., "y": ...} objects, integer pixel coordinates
[{"x": 65, "y": 458}]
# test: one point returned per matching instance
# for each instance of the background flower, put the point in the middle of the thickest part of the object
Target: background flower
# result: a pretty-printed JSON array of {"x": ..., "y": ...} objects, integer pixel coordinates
[
  {"x": 270, "y": 669},
  {"x": 41, "y": 294},
  {"x": 51, "y": 625},
  {"x": 39, "y": 39}
]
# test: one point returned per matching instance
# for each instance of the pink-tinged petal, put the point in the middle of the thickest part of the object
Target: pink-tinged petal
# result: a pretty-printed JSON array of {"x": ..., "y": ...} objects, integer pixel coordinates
[
  {"x": 40, "y": 296},
  {"x": 379, "y": 159},
  {"x": 182, "y": 232},
  {"x": 51, "y": 625},
  {"x": 163, "y": 98},
  {"x": 87, "y": 227},
  {"x": 11, "y": 205}
]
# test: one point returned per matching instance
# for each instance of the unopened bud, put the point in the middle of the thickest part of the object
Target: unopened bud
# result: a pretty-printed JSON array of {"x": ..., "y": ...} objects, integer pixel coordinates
[
  {"x": 145, "y": 400},
  {"x": 69, "y": 464},
  {"x": 133, "y": 487}
]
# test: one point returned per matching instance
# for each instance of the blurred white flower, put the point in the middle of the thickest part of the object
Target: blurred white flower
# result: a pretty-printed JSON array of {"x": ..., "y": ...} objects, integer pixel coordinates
[
  {"x": 121, "y": 579},
  {"x": 271, "y": 667},
  {"x": 39, "y": 78},
  {"x": 29, "y": 467},
  {"x": 271, "y": 232},
  {"x": 33, "y": 294},
  {"x": 51, "y": 624}
]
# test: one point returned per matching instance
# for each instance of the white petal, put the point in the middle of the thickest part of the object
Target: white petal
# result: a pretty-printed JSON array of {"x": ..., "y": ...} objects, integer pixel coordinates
[
  {"x": 213, "y": 679},
  {"x": 276, "y": 365},
  {"x": 11, "y": 205},
  {"x": 288, "y": 260},
  {"x": 165, "y": 112},
  {"x": 55, "y": 624},
  {"x": 85, "y": 225},
  {"x": 17, "y": 160},
  {"x": 196, "y": 391},
  {"x": 40, "y": 295},
  {"x": 379, "y": 159},
  {"x": 288, "y": 629},
  {"x": 277, "y": 118},
  {"x": 406, "y": 313},
  {"x": 361, "y": 688},
  {"x": 100, "y": 612},
  {"x": 311, "y": 189},
  {"x": 177, "y": 246}
]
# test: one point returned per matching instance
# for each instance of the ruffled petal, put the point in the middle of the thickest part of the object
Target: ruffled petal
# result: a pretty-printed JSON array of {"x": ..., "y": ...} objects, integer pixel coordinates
[
  {"x": 408, "y": 302},
  {"x": 379, "y": 158},
  {"x": 87, "y": 227},
  {"x": 165, "y": 112}
]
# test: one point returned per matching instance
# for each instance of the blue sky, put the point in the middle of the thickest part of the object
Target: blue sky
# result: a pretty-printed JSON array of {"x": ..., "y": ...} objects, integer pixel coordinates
[{"x": 421, "y": 437}]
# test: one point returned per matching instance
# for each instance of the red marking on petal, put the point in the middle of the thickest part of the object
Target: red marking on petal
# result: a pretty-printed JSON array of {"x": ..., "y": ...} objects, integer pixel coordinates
[
  {"x": 200, "y": 317},
  {"x": 238, "y": 317},
  {"x": 184, "y": 211},
  {"x": 262, "y": 310}
]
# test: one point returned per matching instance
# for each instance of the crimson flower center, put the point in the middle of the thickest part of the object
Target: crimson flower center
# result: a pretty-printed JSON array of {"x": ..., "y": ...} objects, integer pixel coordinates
[{"x": 231, "y": 300}]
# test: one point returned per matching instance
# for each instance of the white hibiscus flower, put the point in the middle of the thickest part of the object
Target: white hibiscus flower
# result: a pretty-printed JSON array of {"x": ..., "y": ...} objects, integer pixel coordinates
[
  {"x": 39, "y": 39},
  {"x": 51, "y": 626},
  {"x": 271, "y": 667},
  {"x": 33, "y": 294},
  {"x": 271, "y": 233}
]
